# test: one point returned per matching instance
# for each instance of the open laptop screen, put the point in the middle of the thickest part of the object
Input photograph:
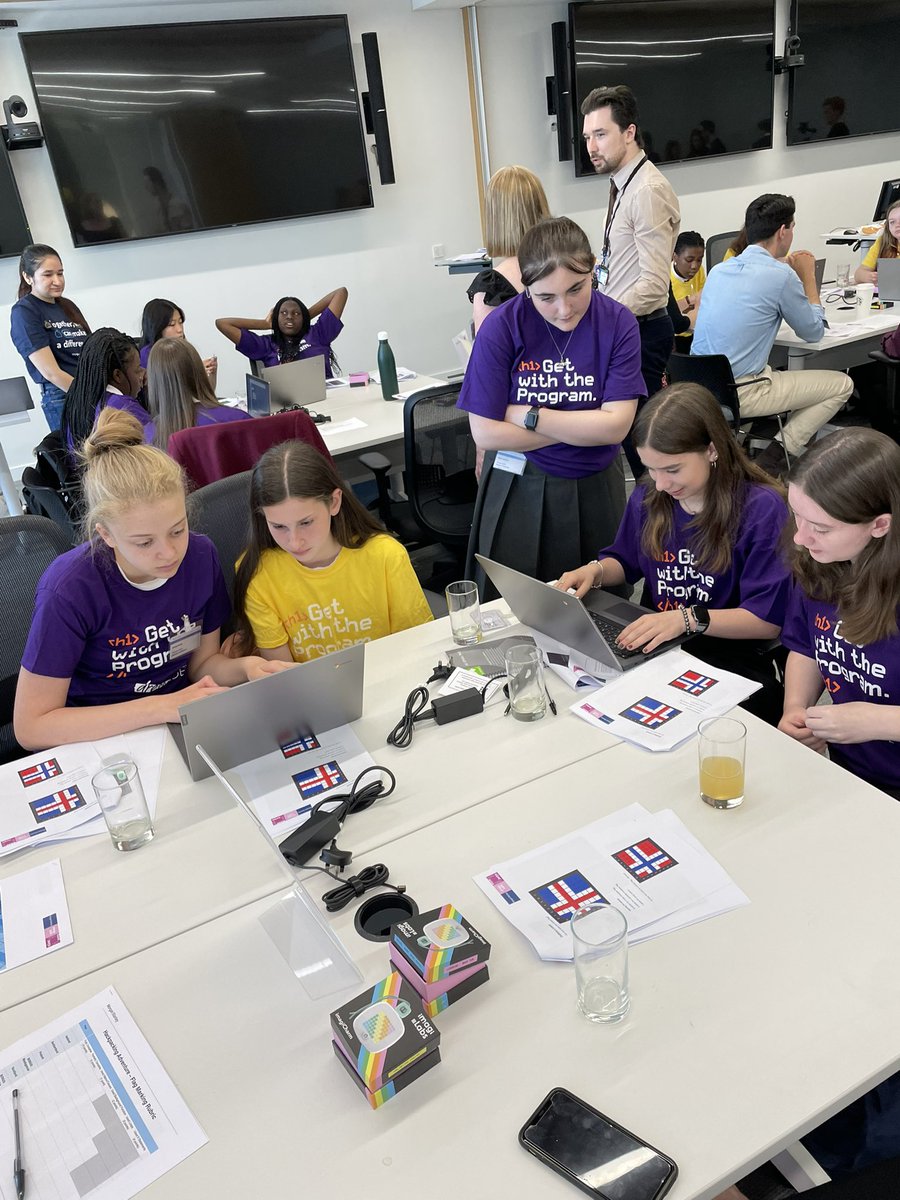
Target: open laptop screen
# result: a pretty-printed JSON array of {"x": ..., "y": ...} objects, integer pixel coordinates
[{"x": 257, "y": 397}]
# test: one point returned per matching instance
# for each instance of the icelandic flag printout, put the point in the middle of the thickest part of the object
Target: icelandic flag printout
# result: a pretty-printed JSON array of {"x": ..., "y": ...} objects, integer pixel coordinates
[
  {"x": 693, "y": 683},
  {"x": 650, "y": 713},
  {"x": 300, "y": 745},
  {"x": 644, "y": 859},
  {"x": 51, "y": 930},
  {"x": 40, "y": 772},
  {"x": 319, "y": 779},
  {"x": 56, "y": 805},
  {"x": 562, "y": 898}
]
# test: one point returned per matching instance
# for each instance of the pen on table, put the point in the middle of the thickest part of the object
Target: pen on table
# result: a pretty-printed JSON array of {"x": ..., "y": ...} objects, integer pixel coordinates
[
  {"x": 550, "y": 700},
  {"x": 18, "y": 1169}
]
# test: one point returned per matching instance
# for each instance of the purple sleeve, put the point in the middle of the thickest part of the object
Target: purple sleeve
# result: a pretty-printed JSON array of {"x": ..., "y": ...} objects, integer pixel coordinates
[
  {"x": 486, "y": 386},
  {"x": 324, "y": 329},
  {"x": 259, "y": 347},
  {"x": 764, "y": 581},
  {"x": 624, "y": 380},
  {"x": 62, "y": 621},
  {"x": 625, "y": 549},
  {"x": 796, "y": 633},
  {"x": 144, "y": 355},
  {"x": 126, "y": 404}
]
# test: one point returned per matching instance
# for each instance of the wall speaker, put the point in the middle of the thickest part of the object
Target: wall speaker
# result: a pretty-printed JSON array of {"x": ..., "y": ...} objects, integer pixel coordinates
[
  {"x": 560, "y": 90},
  {"x": 375, "y": 110}
]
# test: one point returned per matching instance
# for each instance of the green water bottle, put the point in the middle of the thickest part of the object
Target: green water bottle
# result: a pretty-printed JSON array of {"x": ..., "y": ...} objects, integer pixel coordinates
[{"x": 387, "y": 368}]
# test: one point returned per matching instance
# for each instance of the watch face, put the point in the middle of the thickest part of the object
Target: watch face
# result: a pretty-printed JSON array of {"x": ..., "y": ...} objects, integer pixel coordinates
[{"x": 701, "y": 616}]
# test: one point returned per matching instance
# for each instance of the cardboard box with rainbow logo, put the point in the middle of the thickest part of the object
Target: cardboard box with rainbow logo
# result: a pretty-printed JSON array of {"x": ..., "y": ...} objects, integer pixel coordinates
[{"x": 441, "y": 955}]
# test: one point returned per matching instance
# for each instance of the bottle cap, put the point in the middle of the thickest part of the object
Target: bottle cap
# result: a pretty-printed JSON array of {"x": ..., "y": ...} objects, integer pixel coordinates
[{"x": 382, "y": 337}]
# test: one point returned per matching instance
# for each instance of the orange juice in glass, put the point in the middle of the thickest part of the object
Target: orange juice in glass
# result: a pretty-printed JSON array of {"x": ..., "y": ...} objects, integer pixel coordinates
[{"x": 722, "y": 745}]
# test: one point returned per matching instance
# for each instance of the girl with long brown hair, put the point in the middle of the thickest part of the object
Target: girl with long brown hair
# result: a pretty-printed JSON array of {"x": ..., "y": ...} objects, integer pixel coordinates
[
  {"x": 704, "y": 533},
  {"x": 179, "y": 392}
]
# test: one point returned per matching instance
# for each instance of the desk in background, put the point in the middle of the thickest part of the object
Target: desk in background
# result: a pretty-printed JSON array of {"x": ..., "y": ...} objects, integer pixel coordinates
[{"x": 834, "y": 352}]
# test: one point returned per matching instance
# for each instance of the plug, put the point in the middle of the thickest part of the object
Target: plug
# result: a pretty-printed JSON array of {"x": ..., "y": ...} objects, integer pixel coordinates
[{"x": 457, "y": 705}]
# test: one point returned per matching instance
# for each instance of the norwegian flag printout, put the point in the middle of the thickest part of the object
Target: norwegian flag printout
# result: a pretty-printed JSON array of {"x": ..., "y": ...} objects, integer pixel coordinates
[{"x": 648, "y": 865}]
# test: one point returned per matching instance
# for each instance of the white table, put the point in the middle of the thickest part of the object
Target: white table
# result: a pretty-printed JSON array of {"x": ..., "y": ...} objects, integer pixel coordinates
[
  {"x": 835, "y": 351},
  {"x": 745, "y": 1031}
]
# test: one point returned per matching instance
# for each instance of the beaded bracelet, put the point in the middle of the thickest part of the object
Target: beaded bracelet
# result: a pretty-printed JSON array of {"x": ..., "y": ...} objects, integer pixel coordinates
[
  {"x": 684, "y": 614},
  {"x": 595, "y": 586}
]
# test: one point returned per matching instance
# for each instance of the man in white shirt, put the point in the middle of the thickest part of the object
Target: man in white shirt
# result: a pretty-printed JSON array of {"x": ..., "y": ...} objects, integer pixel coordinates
[{"x": 642, "y": 222}]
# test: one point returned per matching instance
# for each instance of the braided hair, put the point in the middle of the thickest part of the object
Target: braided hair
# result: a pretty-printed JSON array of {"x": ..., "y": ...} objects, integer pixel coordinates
[
  {"x": 287, "y": 347},
  {"x": 105, "y": 351}
]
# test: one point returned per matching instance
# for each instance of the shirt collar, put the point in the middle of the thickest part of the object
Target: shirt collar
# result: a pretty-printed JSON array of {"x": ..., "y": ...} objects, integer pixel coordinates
[{"x": 621, "y": 176}]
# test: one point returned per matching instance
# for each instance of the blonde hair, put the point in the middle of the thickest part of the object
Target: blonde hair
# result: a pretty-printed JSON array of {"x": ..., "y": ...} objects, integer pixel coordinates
[
  {"x": 890, "y": 247},
  {"x": 514, "y": 201},
  {"x": 176, "y": 383},
  {"x": 120, "y": 470}
]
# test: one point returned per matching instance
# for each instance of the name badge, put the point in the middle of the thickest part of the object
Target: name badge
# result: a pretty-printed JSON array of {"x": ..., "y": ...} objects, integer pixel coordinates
[
  {"x": 511, "y": 461},
  {"x": 601, "y": 274},
  {"x": 186, "y": 640}
]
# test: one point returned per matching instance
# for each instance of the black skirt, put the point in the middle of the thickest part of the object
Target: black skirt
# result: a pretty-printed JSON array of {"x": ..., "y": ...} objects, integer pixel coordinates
[{"x": 543, "y": 525}]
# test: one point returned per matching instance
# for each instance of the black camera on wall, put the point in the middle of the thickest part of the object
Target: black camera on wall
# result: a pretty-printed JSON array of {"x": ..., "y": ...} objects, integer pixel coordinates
[{"x": 25, "y": 135}]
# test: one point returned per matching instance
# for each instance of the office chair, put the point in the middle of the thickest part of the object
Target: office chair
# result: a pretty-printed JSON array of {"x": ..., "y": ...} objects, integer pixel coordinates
[
  {"x": 716, "y": 247},
  {"x": 211, "y": 452},
  {"x": 28, "y": 545},
  {"x": 713, "y": 371},
  {"x": 52, "y": 488},
  {"x": 892, "y": 369},
  {"x": 221, "y": 510}
]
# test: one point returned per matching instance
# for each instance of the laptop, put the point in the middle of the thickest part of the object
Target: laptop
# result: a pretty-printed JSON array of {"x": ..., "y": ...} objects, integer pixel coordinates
[
  {"x": 301, "y": 382},
  {"x": 259, "y": 402},
  {"x": 820, "y": 273},
  {"x": 588, "y": 626},
  {"x": 14, "y": 396},
  {"x": 889, "y": 279},
  {"x": 255, "y": 718}
]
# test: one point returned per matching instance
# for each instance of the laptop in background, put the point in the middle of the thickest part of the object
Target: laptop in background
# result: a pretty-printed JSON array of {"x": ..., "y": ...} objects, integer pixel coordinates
[
  {"x": 258, "y": 397},
  {"x": 820, "y": 273},
  {"x": 301, "y": 382},
  {"x": 588, "y": 626},
  {"x": 255, "y": 718},
  {"x": 889, "y": 279},
  {"x": 14, "y": 396}
]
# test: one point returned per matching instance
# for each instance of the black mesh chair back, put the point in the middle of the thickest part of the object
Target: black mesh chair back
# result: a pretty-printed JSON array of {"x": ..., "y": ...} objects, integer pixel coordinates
[
  {"x": 53, "y": 473},
  {"x": 28, "y": 545},
  {"x": 712, "y": 371},
  {"x": 716, "y": 247},
  {"x": 440, "y": 464},
  {"x": 221, "y": 510}
]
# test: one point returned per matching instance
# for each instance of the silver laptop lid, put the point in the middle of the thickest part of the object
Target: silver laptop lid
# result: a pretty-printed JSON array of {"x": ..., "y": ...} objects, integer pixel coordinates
[
  {"x": 300, "y": 382},
  {"x": 889, "y": 279},
  {"x": 256, "y": 718}
]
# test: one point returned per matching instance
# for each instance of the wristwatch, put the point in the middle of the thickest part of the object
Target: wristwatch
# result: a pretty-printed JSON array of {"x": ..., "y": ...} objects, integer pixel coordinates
[
  {"x": 700, "y": 613},
  {"x": 531, "y": 418}
]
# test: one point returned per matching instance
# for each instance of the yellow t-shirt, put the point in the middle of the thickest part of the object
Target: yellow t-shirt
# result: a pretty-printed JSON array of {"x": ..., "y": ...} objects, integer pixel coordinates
[
  {"x": 875, "y": 252},
  {"x": 682, "y": 288},
  {"x": 729, "y": 253},
  {"x": 365, "y": 594}
]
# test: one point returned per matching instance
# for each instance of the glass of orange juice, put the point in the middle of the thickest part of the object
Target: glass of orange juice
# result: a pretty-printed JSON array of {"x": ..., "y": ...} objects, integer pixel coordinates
[{"x": 722, "y": 745}]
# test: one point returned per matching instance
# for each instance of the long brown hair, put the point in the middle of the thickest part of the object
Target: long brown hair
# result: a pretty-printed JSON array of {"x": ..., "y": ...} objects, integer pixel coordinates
[
  {"x": 294, "y": 471},
  {"x": 176, "y": 383},
  {"x": 685, "y": 418},
  {"x": 29, "y": 261},
  {"x": 854, "y": 475},
  {"x": 890, "y": 247}
]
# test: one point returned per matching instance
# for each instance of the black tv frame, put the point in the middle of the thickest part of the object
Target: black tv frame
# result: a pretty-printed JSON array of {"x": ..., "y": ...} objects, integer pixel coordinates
[
  {"x": 6, "y": 166},
  {"x": 137, "y": 29}
]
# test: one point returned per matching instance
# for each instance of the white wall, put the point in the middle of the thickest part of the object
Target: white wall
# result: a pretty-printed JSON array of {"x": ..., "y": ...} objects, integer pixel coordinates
[{"x": 383, "y": 254}]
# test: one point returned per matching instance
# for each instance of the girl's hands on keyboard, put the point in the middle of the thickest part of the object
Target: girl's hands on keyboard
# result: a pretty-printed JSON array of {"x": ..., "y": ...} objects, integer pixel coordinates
[{"x": 648, "y": 632}]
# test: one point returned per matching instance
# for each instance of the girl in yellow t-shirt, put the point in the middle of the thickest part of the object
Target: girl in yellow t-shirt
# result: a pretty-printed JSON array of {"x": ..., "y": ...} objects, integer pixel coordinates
[
  {"x": 320, "y": 573},
  {"x": 886, "y": 245}
]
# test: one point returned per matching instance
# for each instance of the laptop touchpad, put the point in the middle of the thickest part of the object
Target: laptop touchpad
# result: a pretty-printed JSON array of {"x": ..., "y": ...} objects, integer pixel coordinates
[{"x": 624, "y": 612}]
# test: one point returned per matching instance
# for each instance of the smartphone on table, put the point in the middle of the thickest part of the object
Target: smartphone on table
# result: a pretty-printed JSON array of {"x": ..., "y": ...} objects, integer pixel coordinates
[{"x": 594, "y": 1152}]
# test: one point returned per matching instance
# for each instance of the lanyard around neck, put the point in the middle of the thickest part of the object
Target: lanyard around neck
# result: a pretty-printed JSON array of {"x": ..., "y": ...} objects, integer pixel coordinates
[{"x": 611, "y": 215}]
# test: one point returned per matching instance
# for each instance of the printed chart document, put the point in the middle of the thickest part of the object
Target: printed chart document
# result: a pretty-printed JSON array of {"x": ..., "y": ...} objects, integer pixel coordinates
[
  {"x": 34, "y": 915},
  {"x": 646, "y": 864},
  {"x": 284, "y": 785},
  {"x": 660, "y": 704},
  {"x": 100, "y": 1117}
]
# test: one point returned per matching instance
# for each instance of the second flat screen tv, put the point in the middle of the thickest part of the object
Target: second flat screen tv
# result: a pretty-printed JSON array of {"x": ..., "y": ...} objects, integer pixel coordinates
[
  {"x": 701, "y": 72},
  {"x": 161, "y": 129}
]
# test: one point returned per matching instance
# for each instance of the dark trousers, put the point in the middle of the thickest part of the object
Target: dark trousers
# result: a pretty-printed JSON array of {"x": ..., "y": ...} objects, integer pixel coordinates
[{"x": 657, "y": 344}]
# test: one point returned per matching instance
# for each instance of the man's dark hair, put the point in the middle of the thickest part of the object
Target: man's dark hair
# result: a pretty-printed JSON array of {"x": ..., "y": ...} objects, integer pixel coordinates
[
  {"x": 621, "y": 103},
  {"x": 688, "y": 239},
  {"x": 766, "y": 215}
]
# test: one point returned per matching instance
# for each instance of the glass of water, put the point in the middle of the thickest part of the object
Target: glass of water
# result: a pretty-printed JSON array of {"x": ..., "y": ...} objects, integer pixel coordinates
[
  {"x": 464, "y": 610},
  {"x": 600, "y": 952},
  {"x": 120, "y": 792},
  {"x": 525, "y": 675}
]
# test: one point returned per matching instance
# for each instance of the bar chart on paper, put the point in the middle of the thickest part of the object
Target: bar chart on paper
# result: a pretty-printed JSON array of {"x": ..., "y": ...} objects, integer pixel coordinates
[{"x": 100, "y": 1118}]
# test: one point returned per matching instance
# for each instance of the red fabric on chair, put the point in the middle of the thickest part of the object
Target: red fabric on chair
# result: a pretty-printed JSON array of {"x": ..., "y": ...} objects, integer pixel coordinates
[
  {"x": 890, "y": 343},
  {"x": 211, "y": 452}
]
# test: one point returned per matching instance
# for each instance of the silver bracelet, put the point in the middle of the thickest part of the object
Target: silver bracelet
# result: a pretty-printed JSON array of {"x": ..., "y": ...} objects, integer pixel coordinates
[
  {"x": 596, "y": 586},
  {"x": 687, "y": 624}
]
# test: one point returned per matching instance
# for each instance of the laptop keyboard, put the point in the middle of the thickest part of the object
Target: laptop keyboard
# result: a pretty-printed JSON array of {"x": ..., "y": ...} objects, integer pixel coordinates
[{"x": 610, "y": 631}]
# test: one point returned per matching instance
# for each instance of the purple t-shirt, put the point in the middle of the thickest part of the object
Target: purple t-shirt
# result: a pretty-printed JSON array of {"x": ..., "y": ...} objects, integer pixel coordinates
[
  {"x": 518, "y": 358},
  {"x": 757, "y": 578},
  {"x": 112, "y": 639},
  {"x": 867, "y": 674},
  {"x": 205, "y": 416},
  {"x": 319, "y": 336},
  {"x": 126, "y": 404}
]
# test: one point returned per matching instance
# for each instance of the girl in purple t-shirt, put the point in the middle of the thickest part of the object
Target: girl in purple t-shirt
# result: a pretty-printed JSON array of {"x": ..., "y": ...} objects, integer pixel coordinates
[
  {"x": 109, "y": 373},
  {"x": 126, "y": 627},
  {"x": 164, "y": 319},
  {"x": 551, "y": 390},
  {"x": 704, "y": 533},
  {"x": 297, "y": 331},
  {"x": 179, "y": 392},
  {"x": 842, "y": 627}
]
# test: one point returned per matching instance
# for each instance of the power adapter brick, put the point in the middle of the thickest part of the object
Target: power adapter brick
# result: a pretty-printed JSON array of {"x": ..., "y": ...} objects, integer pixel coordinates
[{"x": 457, "y": 705}]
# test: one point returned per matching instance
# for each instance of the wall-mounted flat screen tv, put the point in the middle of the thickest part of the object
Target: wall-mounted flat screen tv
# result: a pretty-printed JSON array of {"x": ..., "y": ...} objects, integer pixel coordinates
[
  {"x": 848, "y": 84},
  {"x": 701, "y": 72},
  {"x": 14, "y": 232},
  {"x": 162, "y": 129}
]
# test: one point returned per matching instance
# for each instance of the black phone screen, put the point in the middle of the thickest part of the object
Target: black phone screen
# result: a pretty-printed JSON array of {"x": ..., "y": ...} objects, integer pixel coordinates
[{"x": 601, "y": 1156}]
